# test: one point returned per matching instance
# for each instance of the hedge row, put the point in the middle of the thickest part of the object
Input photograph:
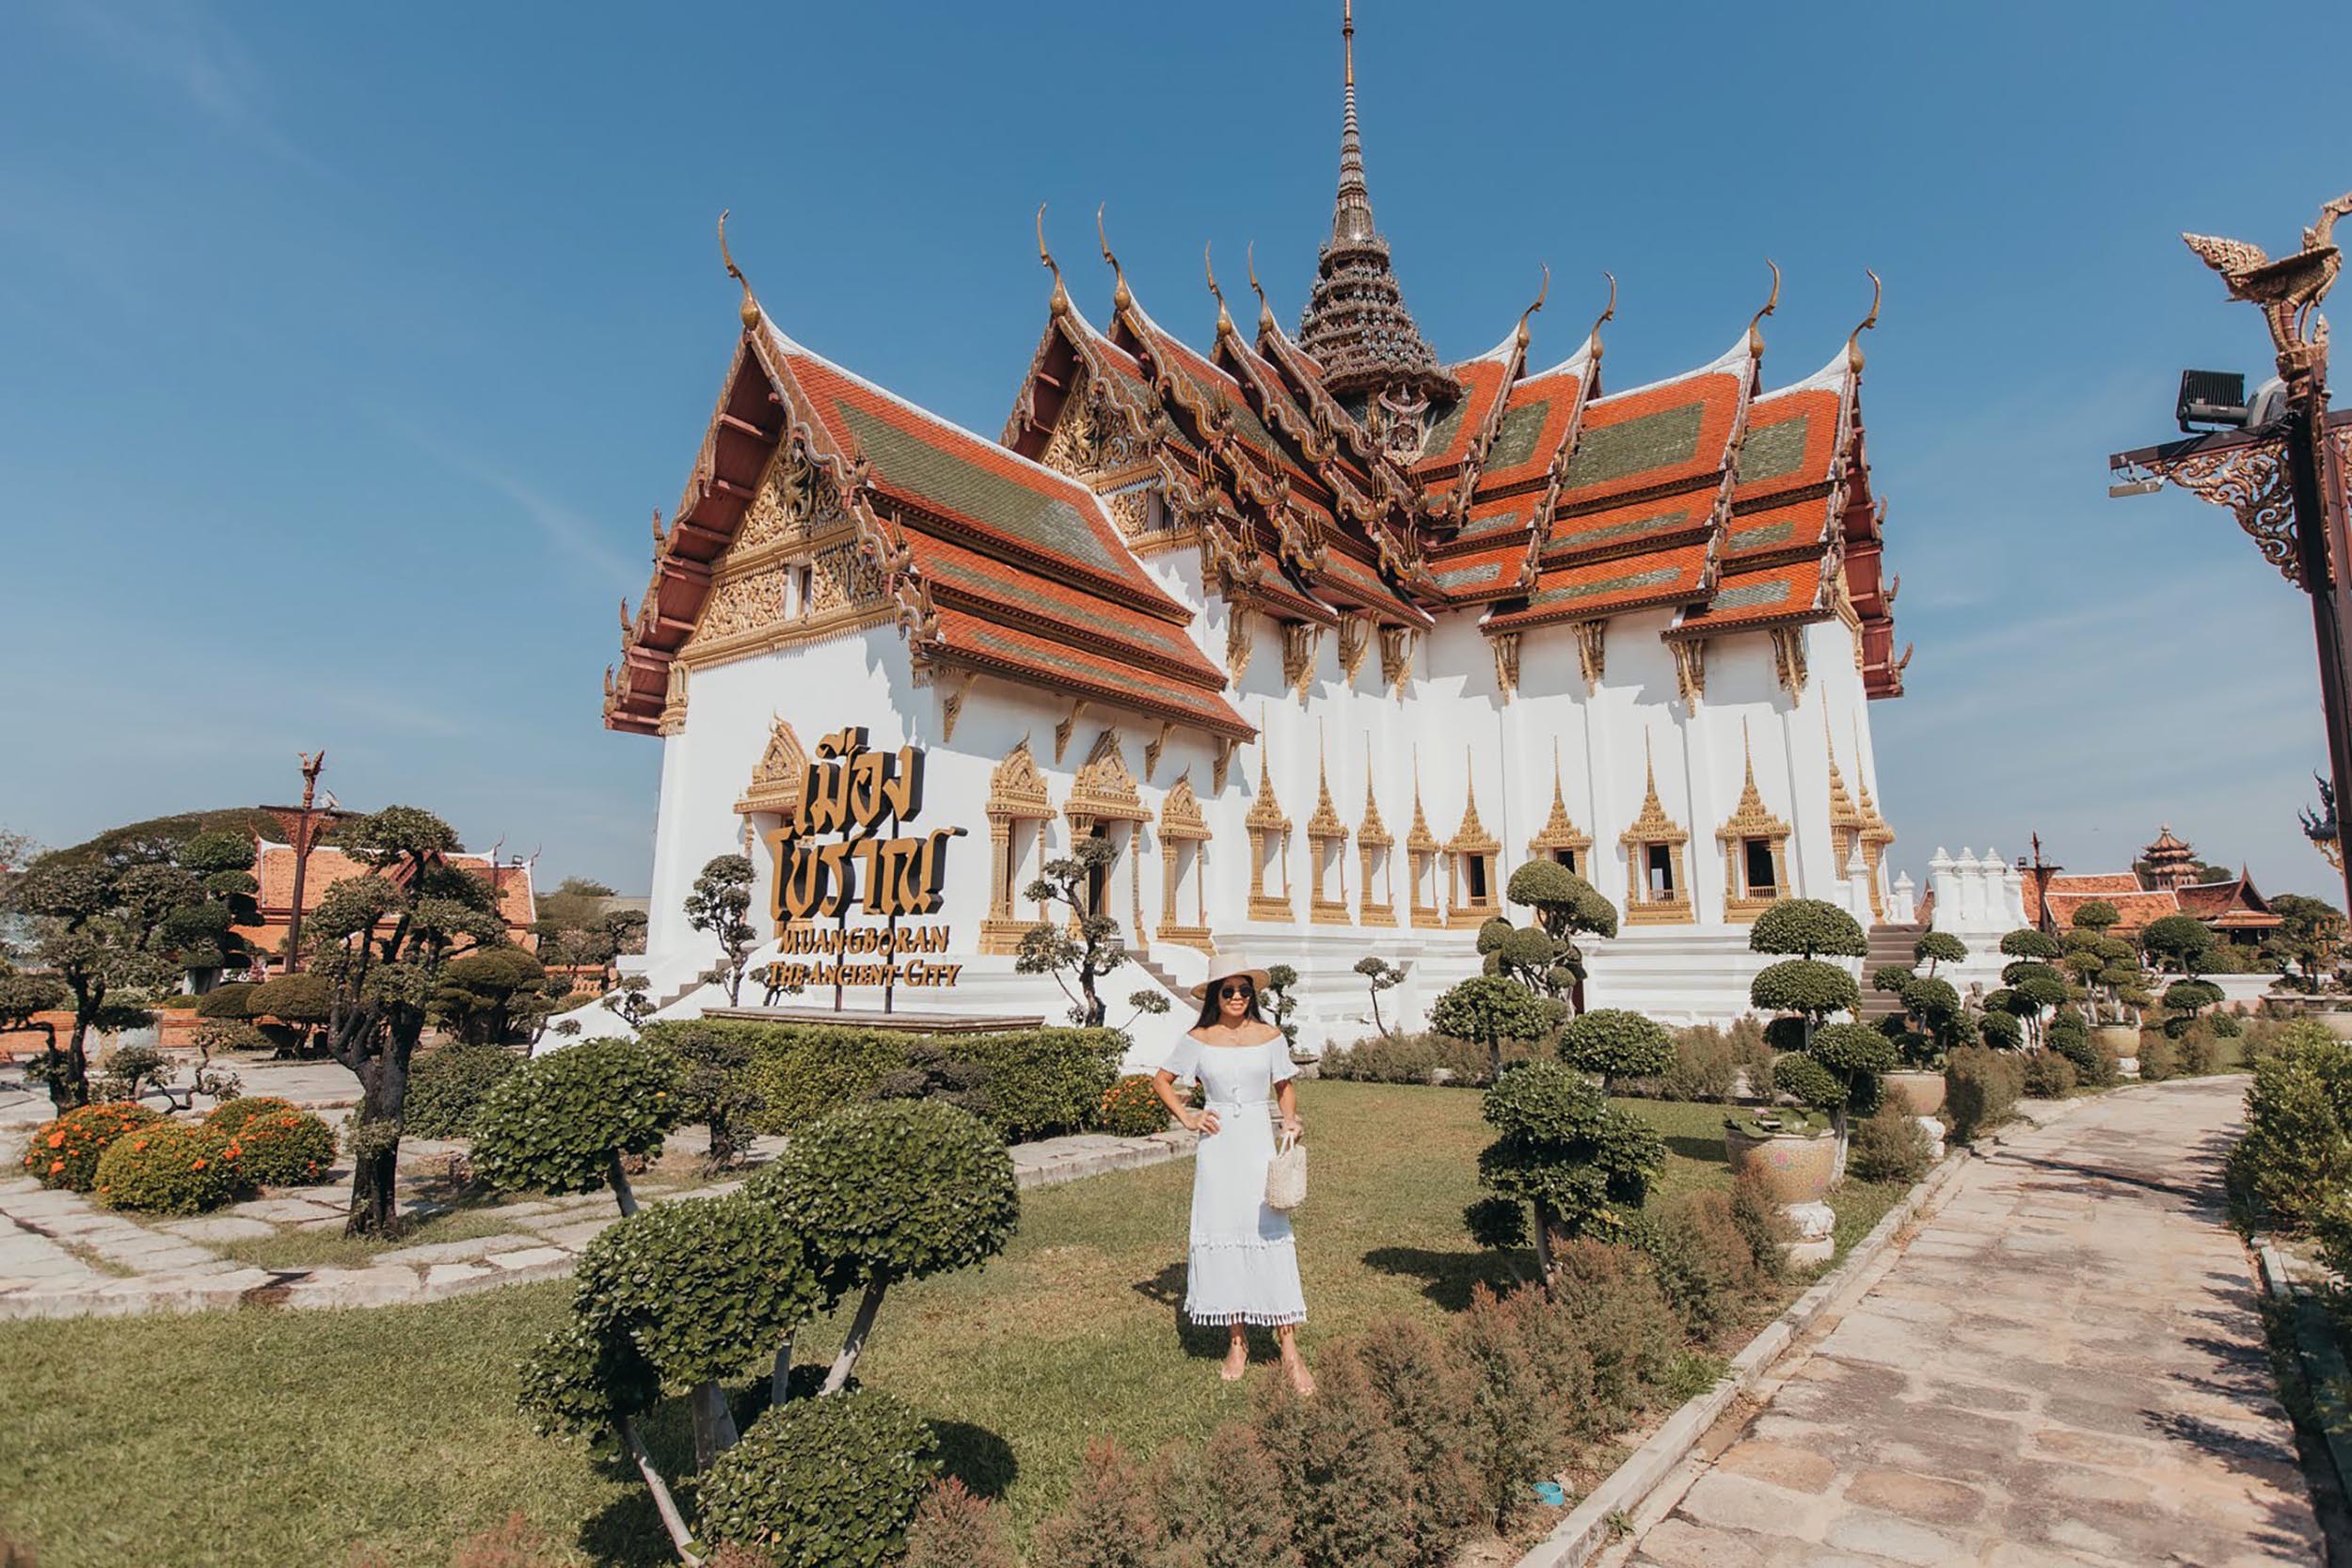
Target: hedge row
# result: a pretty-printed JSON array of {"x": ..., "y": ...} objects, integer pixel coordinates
[{"x": 1025, "y": 1084}]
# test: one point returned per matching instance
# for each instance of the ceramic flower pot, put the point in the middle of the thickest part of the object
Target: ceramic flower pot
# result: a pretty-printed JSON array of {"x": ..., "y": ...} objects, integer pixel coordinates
[
  {"x": 1920, "y": 1093},
  {"x": 1796, "y": 1167},
  {"x": 2121, "y": 1039}
]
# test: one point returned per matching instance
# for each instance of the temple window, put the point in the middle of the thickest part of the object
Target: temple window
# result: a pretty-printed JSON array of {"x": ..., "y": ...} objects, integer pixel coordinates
[
  {"x": 1326, "y": 840},
  {"x": 1269, "y": 848},
  {"x": 1560, "y": 840},
  {"x": 1184, "y": 865},
  {"x": 803, "y": 589},
  {"x": 1656, "y": 891},
  {"x": 1756, "y": 849},
  {"x": 1421, "y": 865},
  {"x": 1018, "y": 809},
  {"x": 1104, "y": 804},
  {"x": 1471, "y": 851},
  {"x": 1375, "y": 879}
]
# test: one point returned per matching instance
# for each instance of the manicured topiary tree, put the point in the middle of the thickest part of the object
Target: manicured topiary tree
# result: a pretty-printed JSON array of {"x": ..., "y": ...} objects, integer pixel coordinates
[
  {"x": 2001, "y": 1029},
  {"x": 1382, "y": 975},
  {"x": 719, "y": 905},
  {"x": 894, "y": 1191},
  {"x": 496, "y": 996},
  {"x": 565, "y": 1121},
  {"x": 2185, "y": 999},
  {"x": 1564, "y": 905},
  {"x": 2028, "y": 942},
  {"x": 1804, "y": 984},
  {"x": 1487, "y": 1009},
  {"x": 1612, "y": 1043},
  {"x": 701, "y": 1288},
  {"x": 1081, "y": 949},
  {"x": 2031, "y": 990},
  {"x": 2180, "y": 943},
  {"x": 1856, "y": 1055},
  {"x": 1582, "y": 1165},
  {"x": 2098, "y": 917},
  {"x": 831, "y": 1481},
  {"x": 2308, "y": 942},
  {"x": 1938, "y": 947},
  {"x": 448, "y": 1085}
]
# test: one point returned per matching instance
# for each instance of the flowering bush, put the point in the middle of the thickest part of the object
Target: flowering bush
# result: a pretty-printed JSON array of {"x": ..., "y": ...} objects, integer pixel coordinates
[
  {"x": 1132, "y": 1108},
  {"x": 230, "y": 1116},
  {"x": 285, "y": 1149},
  {"x": 171, "y": 1167},
  {"x": 65, "y": 1152}
]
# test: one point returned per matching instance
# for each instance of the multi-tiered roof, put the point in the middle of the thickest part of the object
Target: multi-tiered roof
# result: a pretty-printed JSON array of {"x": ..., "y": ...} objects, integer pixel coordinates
[{"x": 1345, "y": 479}]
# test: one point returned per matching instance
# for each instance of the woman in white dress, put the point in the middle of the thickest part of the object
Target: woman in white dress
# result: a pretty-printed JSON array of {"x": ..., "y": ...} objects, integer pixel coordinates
[{"x": 1244, "y": 1266}]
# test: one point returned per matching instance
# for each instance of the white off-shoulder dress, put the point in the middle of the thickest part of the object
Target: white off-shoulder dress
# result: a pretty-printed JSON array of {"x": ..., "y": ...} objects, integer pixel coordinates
[{"x": 1244, "y": 1265}]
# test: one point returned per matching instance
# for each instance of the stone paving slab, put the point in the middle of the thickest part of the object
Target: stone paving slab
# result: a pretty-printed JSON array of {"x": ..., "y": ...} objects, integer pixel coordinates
[
  {"x": 2065, "y": 1367},
  {"x": 43, "y": 1235}
]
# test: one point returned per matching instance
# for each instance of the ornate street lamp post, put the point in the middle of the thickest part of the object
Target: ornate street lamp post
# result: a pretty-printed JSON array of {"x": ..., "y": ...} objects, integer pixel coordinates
[{"x": 2282, "y": 472}]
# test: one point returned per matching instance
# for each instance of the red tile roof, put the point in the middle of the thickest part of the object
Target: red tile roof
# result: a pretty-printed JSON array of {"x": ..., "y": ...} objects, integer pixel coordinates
[
  {"x": 1770, "y": 595},
  {"x": 1482, "y": 381},
  {"x": 1792, "y": 439},
  {"x": 1672, "y": 432},
  {"x": 2095, "y": 882},
  {"x": 1624, "y": 528},
  {"x": 1774, "y": 529},
  {"x": 1536, "y": 417},
  {"x": 2137, "y": 909}
]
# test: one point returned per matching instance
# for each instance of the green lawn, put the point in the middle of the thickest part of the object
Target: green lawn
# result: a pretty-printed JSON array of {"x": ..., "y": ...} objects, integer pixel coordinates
[{"x": 265, "y": 1438}]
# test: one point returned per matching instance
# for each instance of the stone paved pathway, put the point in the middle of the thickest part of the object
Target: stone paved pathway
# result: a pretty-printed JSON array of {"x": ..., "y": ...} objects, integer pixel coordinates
[{"x": 2065, "y": 1367}]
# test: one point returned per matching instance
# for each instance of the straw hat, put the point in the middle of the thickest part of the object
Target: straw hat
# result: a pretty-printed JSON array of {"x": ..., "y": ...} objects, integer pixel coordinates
[{"x": 1226, "y": 968}]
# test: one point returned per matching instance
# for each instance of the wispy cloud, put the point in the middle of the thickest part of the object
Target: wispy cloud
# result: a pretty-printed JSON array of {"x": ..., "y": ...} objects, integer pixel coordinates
[
  {"x": 574, "y": 536},
  {"x": 183, "y": 47}
]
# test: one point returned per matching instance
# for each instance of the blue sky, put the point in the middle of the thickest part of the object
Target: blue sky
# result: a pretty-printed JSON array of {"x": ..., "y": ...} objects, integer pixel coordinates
[{"x": 344, "y": 352}]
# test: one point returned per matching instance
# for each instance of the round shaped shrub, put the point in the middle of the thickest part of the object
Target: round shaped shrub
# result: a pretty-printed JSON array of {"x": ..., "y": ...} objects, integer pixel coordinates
[
  {"x": 2227, "y": 1026},
  {"x": 830, "y": 1481},
  {"x": 301, "y": 998},
  {"x": 169, "y": 1167},
  {"x": 1617, "y": 1043},
  {"x": 1563, "y": 1146},
  {"x": 230, "y": 1116},
  {"x": 556, "y": 1125},
  {"x": 65, "y": 1152},
  {"x": 1487, "y": 1009},
  {"x": 2001, "y": 1030},
  {"x": 1807, "y": 926},
  {"x": 1809, "y": 1082},
  {"x": 284, "y": 1148},
  {"x": 702, "y": 1286},
  {"x": 1854, "y": 1051},
  {"x": 1563, "y": 900},
  {"x": 1805, "y": 985},
  {"x": 894, "y": 1190},
  {"x": 1494, "y": 933},
  {"x": 1132, "y": 1108},
  {"x": 582, "y": 1379},
  {"x": 1939, "y": 947},
  {"x": 446, "y": 1088},
  {"x": 232, "y": 999}
]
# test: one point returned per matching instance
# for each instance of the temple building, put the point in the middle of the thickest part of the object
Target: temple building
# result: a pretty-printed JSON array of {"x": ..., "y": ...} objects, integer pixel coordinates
[
  {"x": 1322, "y": 633},
  {"x": 2166, "y": 882}
]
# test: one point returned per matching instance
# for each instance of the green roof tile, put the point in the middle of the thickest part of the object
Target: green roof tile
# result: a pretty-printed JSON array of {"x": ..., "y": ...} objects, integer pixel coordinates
[
  {"x": 1763, "y": 534},
  {"x": 1660, "y": 440},
  {"x": 905, "y": 461},
  {"x": 1756, "y": 595},
  {"x": 1515, "y": 438},
  {"x": 1775, "y": 452},
  {"x": 1654, "y": 577}
]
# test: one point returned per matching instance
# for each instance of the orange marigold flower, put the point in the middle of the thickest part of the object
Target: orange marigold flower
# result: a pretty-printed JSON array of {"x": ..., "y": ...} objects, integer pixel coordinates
[
  {"x": 55, "y": 1165},
  {"x": 56, "y": 1138}
]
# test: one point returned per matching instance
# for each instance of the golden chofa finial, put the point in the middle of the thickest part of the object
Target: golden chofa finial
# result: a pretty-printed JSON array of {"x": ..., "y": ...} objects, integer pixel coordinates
[
  {"x": 1540, "y": 295},
  {"x": 1265, "y": 311},
  {"x": 1121, "y": 296},
  {"x": 751, "y": 306},
  {"x": 1061, "y": 294},
  {"x": 1224, "y": 318},
  {"x": 1608, "y": 314},
  {"x": 1755, "y": 336},
  {"x": 1853, "y": 339}
]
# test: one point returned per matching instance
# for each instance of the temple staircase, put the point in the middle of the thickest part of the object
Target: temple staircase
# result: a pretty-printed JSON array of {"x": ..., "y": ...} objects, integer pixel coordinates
[{"x": 1890, "y": 944}]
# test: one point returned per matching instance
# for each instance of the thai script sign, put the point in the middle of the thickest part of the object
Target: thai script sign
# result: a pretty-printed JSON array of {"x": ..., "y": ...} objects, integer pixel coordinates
[{"x": 846, "y": 849}]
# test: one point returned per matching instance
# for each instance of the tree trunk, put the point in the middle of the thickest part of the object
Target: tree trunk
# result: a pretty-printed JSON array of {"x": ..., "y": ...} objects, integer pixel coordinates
[
  {"x": 854, "y": 1342},
  {"x": 714, "y": 1424},
  {"x": 663, "y": 1504},
  {"x": 375, "y": 1200},
  {"x": 780, "y": 1381},
  {"x": 69, "y": 1075},
  {"x": 623, "y": 1193},
  {"x": 1544, "y": 1265},
  {"x": 1838, "y": 1126}
]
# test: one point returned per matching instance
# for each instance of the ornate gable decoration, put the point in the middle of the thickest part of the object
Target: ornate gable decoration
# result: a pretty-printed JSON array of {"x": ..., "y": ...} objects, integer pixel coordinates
[
  {"x": 777, "y": 782},
  {"x": 1017, "y": 788},
  {"x": 1372, "y": 832},
  {"x": 1419, "y": 839},
  {"x": 1559, "y": 830},
  {"x": 1265, "y": 812},
  {"x": 1472, "y": 837},
  {"x": 1179, "y": 812},
  {"x": 1324, "y": 823},
  {"x": 1104, "y": 790}
]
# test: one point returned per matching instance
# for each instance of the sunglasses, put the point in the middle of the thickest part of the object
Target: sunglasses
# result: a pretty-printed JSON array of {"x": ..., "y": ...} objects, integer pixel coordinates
[{"x": 1244, "y": 991}]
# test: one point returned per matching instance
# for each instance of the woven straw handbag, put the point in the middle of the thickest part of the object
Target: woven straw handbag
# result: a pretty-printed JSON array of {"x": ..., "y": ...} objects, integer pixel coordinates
[{"x": 1286, "y": 1176}]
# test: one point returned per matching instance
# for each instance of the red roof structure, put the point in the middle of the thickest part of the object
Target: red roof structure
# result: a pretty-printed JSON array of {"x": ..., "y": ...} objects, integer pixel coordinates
[
  {"x": 274, "y": 870},
  {"x": 1346, "y": 476}
]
